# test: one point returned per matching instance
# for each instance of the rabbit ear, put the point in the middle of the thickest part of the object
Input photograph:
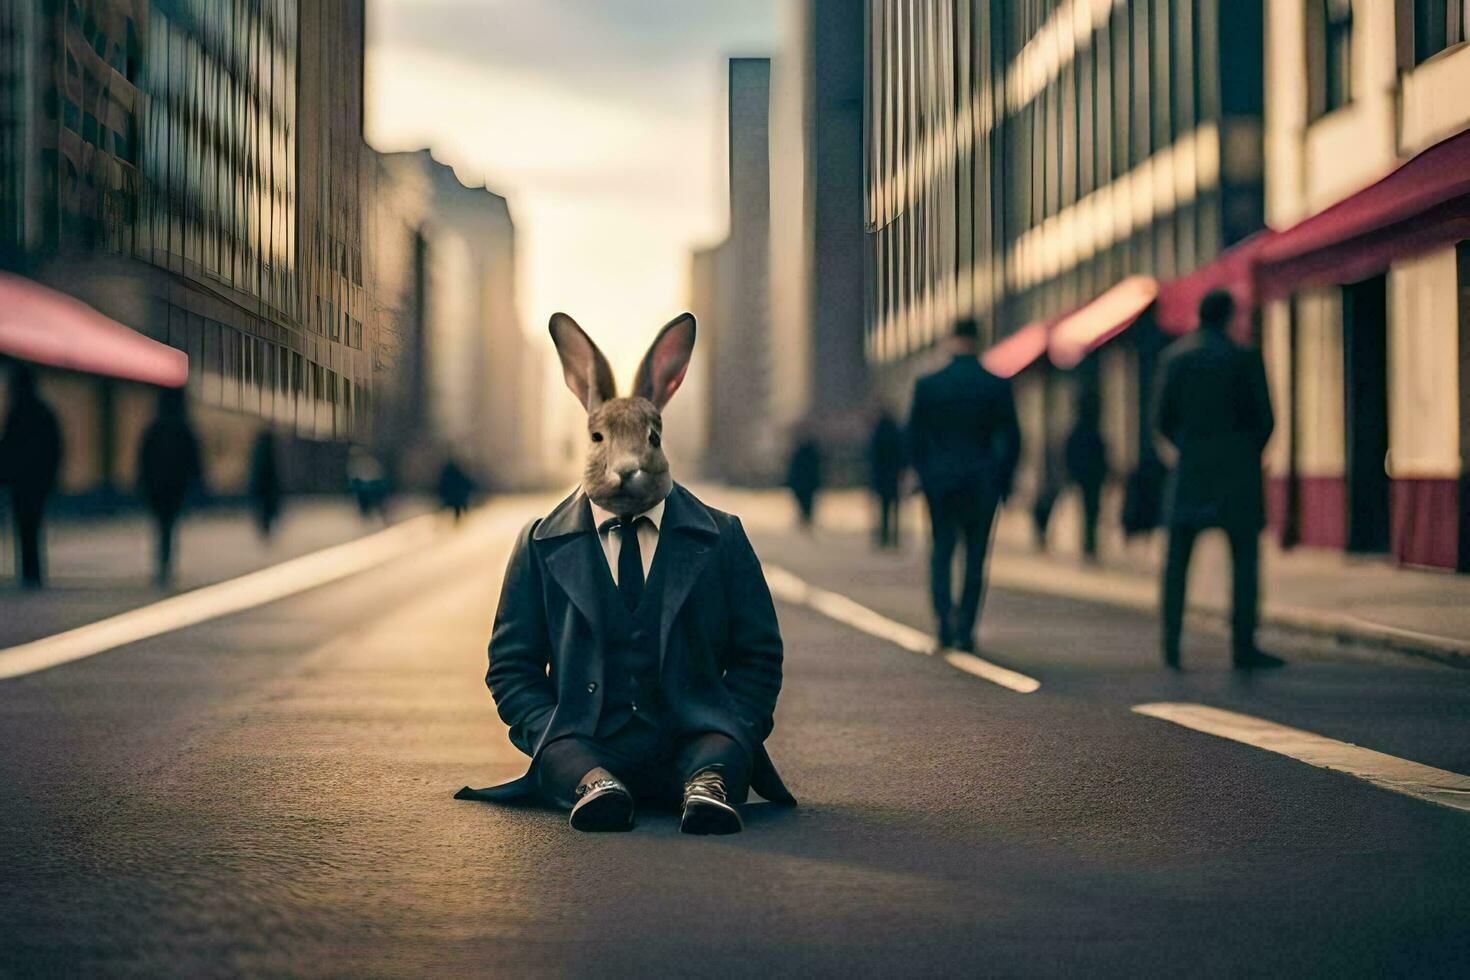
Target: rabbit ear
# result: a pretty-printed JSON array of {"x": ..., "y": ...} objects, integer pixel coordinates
[
  {"x": 663, "y": 367},
  {"x": 587, "y": 372}
]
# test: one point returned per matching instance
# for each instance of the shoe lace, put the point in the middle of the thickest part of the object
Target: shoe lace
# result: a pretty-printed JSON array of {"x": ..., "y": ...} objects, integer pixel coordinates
[
  {"x": 597, "y": 785},
  {"x": 707, "y": 783}
]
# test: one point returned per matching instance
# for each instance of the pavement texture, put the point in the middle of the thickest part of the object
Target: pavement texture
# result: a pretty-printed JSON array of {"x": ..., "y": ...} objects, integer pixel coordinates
[{"x": 270, "y": 793}]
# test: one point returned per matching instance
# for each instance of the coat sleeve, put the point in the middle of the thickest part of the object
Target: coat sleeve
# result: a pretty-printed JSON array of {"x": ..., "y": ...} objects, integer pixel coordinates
[
  {"x": 1009, "y": 436},
  {"x": 1164, "y": 418},
  {"x": 520, "y": 649},
  {"x": 753, "y": 664},
  {"x": 1264, "y": 419},
  {"x": 918, "y": 430}
]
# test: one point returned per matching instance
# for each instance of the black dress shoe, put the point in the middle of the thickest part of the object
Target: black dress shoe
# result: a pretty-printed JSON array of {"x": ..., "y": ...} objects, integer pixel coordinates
[
  {"x": 605, "y": 803},
  {"x": 1256, "y": 660},
  {"x": 707, "y": 808}
]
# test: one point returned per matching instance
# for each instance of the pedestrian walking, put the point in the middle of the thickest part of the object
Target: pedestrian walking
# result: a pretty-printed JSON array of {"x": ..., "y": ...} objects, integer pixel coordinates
[
  {"x": 30, "y": 459},
  {"x": 1213, "y": 410},
  {"x": 367, "y": 480},
  {"x": 804, "y": 477},
  {"x": 168, "y": 469},
  {"x": 1049, "y": 487},
  {"x": 455, "y": 488},
  {"x": 1087, "y": 467},
  {"x": 964, "y": 442},
  {"x": 265, "y": 483},
  {"x": 887, "y": 457}
]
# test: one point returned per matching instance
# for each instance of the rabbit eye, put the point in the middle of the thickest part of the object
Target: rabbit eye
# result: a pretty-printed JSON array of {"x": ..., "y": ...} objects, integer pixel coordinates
[
  {"x": 654, "y": 440},
  {"x": 597, "y": 437}
]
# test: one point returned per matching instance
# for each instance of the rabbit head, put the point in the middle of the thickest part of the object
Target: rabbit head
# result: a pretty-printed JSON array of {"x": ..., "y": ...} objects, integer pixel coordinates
[{"x": 627, "y": 471}]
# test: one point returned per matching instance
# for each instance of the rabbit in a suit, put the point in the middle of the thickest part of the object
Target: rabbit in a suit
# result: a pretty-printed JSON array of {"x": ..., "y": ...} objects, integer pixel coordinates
[{"x": 635, "y": 654}]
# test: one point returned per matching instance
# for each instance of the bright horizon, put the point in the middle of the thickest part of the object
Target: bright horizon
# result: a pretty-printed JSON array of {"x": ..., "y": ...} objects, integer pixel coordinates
[{"x": 601, "y": 123}]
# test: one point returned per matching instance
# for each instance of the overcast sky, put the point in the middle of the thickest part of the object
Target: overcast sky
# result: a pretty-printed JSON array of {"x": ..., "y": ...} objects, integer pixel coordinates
[{"x": 602, "y": 122}]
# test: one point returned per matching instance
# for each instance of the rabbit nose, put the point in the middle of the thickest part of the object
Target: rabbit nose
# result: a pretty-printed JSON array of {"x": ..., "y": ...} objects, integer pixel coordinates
[{"x": 625, "y": 469}]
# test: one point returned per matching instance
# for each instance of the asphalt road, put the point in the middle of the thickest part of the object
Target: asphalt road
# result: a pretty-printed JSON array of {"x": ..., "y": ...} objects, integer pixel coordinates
[{"x": 270, "y": 793}]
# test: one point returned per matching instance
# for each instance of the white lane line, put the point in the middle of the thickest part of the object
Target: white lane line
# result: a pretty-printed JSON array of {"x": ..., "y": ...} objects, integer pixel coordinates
[
  {"x": 1389, "y": 772},
  {"x": 221, "y": 599},
  {"x": 789, "y": 588},
  {"x": 994, "y": 673}
]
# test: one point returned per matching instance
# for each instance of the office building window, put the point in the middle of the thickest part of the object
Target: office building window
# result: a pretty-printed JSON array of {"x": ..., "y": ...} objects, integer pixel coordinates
[
  {"x": 1438, "y": 24},
  {"x": 1330, "y": 54}
]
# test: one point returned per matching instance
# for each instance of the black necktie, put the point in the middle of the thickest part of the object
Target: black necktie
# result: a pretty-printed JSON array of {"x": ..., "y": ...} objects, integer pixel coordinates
[{"x": 630, "y": 559}]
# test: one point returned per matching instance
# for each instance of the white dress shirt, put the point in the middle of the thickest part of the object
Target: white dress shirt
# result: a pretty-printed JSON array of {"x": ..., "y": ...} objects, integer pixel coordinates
[{"x": 612, "y": 538}]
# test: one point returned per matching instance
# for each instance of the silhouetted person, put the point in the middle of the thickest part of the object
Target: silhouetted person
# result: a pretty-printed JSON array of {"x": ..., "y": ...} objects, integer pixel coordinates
[
  {"x": 964, "y": 443},
  {"x": 455, "y": 488},
  {"x": 1048, "y": 490},
  {"x": 30, "y": 457},
  {"x": 1214, "y": 408},
  {"x": 1087, "y": 466},
  {"x": 265, "y": 483},
  {"x": 887, "y": 456},
  {"x": 168, "y": 469},
  {"x": 804, "y": 478},
  {"x": 368, "y": 481}
]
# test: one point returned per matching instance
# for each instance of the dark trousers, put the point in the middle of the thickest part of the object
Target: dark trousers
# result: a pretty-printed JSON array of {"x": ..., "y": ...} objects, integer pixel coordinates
[
  {"x": 965, "y": 515},
  {"x": 887, "y": 520},
  {"x": 1091, "y": 506},
  {"x": 27, "y": 518},
  {"x": 165, "y": 546},
  {"x": 1245, "y": 587},
  {"x": 652, "y": 763}
]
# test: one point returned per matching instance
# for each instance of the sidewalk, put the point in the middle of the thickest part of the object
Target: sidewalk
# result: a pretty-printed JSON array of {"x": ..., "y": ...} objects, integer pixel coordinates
[
  {"x": 1322, "y": 594},
  {"x": 99, "y": 566}
]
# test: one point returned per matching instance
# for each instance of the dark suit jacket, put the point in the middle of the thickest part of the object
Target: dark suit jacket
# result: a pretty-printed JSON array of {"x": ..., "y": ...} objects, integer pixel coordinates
[
  {"x": 1212, "y": 404},
  {"x": 719, "y": 642},
  {"x": 963, "y": 431}
]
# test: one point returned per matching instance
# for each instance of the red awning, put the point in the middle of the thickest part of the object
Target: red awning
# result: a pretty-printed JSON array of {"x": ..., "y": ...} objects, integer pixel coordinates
[
  {"x": 1019, "y": 351},
  {"x": 41, "y": 325},
  {"x": 1177, "y": 310},
  {"x": 1423, "y": 205},
  {"x": 1086, "y": 329}
]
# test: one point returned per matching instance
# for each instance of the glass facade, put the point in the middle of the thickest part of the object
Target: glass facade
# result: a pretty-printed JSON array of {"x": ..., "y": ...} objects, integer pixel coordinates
[
  {"x": 213, "y": 145},
  {"x": 1024, "y": 157}
]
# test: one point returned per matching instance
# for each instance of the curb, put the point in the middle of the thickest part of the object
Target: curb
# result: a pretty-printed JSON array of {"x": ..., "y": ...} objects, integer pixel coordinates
[{"x": 1140, "y": 596}]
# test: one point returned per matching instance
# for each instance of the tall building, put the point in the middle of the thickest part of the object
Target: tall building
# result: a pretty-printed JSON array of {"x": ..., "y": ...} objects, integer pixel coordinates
[
  {"x": 743, "y": 445},
  {"x": 1025, "y": 158},
  {"x": 459, "y": 375},
  {"x": 192, "y": 169},
  {"x": 1061, "y": 169},
  {"x": 785, "y": 291},
  {"x": 1366, "y": 281},
  {"x": 818, "y": 257}
]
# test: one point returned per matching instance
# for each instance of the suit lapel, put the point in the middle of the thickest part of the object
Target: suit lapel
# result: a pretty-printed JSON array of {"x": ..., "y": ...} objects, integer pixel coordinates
[
  {"x": 689, "y": 533},
  {"x": 574, "y": 557}
]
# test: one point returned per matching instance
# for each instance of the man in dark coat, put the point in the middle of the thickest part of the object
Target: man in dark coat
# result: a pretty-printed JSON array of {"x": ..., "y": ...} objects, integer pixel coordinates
[
  {"x": 30, "y": 458},
  {"x": 265, "y": 483},
  {"x": 804, "y": 477},
  {"x": 964, "y": 442},
  {"x": 1213, "y": 407},
  {"x": 168, "y": 468},
  {"x": 886, "y": 460}
]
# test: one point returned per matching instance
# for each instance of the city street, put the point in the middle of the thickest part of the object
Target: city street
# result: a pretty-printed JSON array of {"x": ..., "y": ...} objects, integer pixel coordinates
[{"x": 270, "y": 792}]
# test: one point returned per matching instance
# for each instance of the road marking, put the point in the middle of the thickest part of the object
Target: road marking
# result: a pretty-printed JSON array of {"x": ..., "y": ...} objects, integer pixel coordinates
[
  {"x": 789, "y": 588},
  {"x": 994, "y": 673},
  {"x": 1386, "y": 771},
  {"x": 221, "y": 599}
]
